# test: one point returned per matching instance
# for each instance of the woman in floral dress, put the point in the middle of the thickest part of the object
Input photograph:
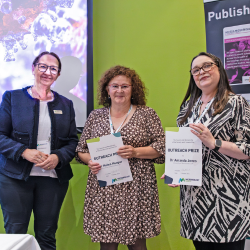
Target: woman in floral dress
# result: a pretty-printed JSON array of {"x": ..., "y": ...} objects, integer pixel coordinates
[{"x": 125, "y": 213}]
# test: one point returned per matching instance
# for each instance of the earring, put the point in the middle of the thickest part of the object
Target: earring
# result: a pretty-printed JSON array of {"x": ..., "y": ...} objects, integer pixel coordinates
[{"x": 108, "y": 96}]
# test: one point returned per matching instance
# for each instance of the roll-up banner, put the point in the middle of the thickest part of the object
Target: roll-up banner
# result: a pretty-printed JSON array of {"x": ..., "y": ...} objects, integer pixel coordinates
[{"x": 228, "y": 37}]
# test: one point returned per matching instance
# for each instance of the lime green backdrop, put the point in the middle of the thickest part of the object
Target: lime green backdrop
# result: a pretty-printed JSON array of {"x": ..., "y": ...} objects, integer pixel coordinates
[{"x": 158, "y": 39}]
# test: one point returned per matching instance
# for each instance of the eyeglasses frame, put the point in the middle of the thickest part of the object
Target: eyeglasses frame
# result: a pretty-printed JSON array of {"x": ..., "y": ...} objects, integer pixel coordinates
[
  {"x": 110, "y": 85},
  {"x": 47, "y": 68},
  {"x": 202, "y": 68}
]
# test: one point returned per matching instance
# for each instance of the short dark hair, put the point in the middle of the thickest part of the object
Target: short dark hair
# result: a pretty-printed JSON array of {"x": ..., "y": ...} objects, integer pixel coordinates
[
  {"x": 36, "y": 60},
  {"x": 138, "y": 88},
  {"x": 193, "y": 92}
]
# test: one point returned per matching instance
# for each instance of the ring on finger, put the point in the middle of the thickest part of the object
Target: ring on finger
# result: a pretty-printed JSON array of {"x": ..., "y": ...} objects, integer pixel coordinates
[{"x": 201, "y": 131}]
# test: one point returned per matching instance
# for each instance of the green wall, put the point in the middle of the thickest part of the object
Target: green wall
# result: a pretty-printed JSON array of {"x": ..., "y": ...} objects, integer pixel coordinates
[{"x": 158, "y": 39}]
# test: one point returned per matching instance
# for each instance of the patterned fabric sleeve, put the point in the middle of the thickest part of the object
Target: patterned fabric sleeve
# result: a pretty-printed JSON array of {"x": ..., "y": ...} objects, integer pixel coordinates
[
  {"x": 183, "y": 110},
  {"x": 86, "y": 134},
  {"x": 241, "y": 111},
  {"x": 156, "y": 134}
]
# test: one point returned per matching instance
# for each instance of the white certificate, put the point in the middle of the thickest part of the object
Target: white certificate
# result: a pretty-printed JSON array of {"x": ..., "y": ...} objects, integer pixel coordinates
[
  {"x": 114, "y": 169},
  {"x": 183, "y": 163},
  {"x": 43, "y": 146}
]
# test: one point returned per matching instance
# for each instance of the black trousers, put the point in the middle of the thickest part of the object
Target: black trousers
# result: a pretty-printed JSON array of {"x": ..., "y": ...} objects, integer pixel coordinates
[
  {"x": 236, "y": 245},
  {"x": 43, "y": 195}
]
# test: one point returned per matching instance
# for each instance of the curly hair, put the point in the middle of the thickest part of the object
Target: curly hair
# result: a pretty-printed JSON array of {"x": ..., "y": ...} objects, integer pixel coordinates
[
  {"x": 221, "y": 97},
  {"x": 138, "y": 96}
]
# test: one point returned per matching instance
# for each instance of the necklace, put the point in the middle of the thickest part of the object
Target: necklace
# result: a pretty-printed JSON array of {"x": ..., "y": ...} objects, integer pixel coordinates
[
  {"x": 39, "y": 97},
  {"x": 111, "y": 124}
]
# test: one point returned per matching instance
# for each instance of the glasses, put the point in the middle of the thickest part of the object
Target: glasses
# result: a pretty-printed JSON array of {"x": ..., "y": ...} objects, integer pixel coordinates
[
  {"x": 205, "y": 67},
  {"x": 43, "y": 68},
  {"x": 117, "y": 86}
]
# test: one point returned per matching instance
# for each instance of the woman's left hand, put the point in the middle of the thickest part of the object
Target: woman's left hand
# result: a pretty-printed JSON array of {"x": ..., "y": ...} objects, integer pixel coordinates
[
  {"x": 50, "y": 163},
  {"x": 204, "y": 134},
  {"x": 127, "y": 152}
]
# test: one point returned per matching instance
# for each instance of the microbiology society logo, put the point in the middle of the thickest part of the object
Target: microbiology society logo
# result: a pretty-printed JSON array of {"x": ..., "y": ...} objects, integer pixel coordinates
[
  {"x": 114, "y": 180},
  {"x": 187, "y": 180},
  {"x": 119, "y": 179},
  {"x": 181, "y": 180}
]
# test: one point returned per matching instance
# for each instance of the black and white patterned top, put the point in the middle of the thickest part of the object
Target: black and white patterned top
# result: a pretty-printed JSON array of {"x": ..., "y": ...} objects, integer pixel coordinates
[
  {"x": 219, "y": 210},
  {"x": 124, "y": 212}
]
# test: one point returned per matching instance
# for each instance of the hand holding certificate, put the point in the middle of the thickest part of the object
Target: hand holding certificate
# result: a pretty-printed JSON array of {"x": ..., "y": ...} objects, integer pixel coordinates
[
  {"x": 183, "y": 164},
  {"x": 114, "y": 169}
]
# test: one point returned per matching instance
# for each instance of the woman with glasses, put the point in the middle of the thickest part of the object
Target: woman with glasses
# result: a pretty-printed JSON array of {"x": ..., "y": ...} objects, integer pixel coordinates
[
  {"x": 37, "y": 142},
  {"x": 125, "y": 213},
  {"x": 217, "y": 214}
]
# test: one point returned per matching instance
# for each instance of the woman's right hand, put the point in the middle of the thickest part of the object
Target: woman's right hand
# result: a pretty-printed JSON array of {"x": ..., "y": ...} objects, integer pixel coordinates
[
  {"x": 34, "y": 156},
  {"x": 94, "y": 167},
  {"x": 170, "y": 185}
]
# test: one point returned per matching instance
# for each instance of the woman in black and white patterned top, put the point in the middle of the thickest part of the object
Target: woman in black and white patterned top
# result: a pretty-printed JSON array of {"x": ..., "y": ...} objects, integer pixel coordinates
[{"x": 217, "y": 214}]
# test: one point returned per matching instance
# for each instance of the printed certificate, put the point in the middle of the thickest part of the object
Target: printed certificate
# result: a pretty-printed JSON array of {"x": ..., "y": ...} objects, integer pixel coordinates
[
  {"x": 114, "y": 169},
  {"x": 183, "y": 163}
]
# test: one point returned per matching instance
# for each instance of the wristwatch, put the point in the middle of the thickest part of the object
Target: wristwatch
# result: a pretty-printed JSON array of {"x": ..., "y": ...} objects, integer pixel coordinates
[{"x": 217, "y": 144}]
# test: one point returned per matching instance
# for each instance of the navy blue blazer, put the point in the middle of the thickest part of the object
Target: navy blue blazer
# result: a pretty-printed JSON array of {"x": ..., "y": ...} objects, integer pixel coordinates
[{"x": 19, "y": 117}]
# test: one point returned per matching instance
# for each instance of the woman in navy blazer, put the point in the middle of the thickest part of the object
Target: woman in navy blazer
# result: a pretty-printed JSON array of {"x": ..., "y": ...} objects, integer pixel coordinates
[{"x": 37, "y": 142}]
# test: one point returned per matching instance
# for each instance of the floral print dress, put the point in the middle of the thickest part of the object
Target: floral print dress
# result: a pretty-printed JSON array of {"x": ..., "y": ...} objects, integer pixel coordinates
[{"x": 124, "y": 212}]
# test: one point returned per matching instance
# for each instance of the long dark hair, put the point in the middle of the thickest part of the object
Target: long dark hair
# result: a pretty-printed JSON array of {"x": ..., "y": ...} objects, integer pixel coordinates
[{"x": 193, "y": 92}]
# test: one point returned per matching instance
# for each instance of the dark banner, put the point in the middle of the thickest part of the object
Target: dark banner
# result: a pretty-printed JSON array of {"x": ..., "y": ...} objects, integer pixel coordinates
[{"x": 228, "y": 37}]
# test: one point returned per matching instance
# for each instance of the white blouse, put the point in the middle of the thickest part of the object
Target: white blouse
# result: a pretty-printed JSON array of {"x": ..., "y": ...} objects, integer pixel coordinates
[{"x": 44, "y": 134}]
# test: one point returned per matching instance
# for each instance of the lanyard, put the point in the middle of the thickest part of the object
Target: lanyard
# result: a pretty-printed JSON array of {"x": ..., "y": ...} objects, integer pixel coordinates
[
  {"x": 111, "y": 124},
  {"x": 204, "y": 111}
]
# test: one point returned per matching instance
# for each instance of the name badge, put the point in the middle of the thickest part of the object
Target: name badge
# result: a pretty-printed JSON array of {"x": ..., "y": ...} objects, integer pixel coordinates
[{"x": 58, "y": 112}]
